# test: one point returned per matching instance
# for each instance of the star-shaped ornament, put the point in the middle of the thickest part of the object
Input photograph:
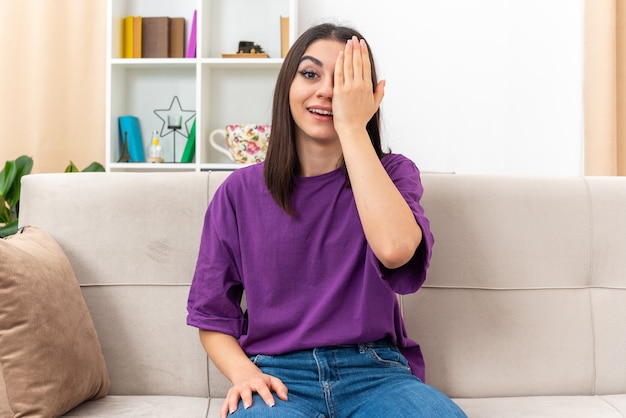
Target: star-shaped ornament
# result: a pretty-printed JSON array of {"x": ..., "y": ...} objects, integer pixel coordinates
[{"x": 175, "y": 111}]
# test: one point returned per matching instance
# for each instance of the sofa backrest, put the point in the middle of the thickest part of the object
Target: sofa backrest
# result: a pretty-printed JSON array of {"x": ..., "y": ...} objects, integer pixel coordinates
[
  {"x": 132, "y": 239},
  {"x": 526, "y": 294}
]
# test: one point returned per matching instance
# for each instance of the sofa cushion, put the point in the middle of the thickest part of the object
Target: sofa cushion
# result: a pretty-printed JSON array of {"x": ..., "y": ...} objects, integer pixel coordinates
[
  {"x": 145, "y": 406},
  {"x": 50, "y": 356},
  {"x": 542, "y": 406}
]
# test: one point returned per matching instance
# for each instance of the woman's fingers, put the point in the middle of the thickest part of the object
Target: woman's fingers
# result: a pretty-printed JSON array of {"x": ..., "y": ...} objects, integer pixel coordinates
[
  {"x": 338, "y": 75},
  {"x": 355, "y": 99},
  {"x": 379, "y": 92},
  {"x": 357, "y": 58},
  {"x": 279, "y": 387},
  {"x": 348, "y": 70},
  {"x": 356, "y": 64},
  {"x": 244, "y": 391},
  {"x": 366, "y": 63}
]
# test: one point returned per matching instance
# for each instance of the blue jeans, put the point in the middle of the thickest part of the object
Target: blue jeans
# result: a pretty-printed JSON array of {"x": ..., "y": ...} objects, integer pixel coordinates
[{"x": 358, "y": 381}]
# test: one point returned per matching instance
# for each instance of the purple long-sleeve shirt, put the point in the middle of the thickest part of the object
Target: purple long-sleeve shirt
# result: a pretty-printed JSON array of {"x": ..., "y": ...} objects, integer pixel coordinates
[{"x": 310, "y": 280}]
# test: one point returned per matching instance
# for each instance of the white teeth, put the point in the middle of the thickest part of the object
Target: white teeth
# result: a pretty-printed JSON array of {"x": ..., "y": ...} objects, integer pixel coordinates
[{"x": 321, "y": 112}]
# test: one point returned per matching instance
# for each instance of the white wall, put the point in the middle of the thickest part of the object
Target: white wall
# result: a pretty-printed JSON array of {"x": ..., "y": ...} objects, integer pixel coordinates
[{"x": 480, "y": 86}]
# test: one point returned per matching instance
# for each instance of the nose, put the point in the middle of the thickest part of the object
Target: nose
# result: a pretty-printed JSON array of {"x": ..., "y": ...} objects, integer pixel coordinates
[{"x": 325, "y": 88}]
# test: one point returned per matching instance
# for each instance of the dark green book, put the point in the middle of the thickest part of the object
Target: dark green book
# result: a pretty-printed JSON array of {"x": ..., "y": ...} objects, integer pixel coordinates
[{"x": 190, "y": 146}]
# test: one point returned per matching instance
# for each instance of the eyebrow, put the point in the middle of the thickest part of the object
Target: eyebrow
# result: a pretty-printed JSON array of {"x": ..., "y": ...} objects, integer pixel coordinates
[{"x": 310, "y": 58}]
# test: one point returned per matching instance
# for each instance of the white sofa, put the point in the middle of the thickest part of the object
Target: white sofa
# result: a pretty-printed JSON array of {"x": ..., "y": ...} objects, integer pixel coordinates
[{"x": 523, "y": 313}]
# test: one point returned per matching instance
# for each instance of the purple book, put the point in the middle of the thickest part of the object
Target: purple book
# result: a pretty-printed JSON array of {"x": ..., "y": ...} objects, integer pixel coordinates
[{"x": 191, "y": 46}]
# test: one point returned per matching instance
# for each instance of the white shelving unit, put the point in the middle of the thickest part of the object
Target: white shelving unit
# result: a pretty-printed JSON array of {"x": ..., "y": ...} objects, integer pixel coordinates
[{"x": 221, "y": 91}]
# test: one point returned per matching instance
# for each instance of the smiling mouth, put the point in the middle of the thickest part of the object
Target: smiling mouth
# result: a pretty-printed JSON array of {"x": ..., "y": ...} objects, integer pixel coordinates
[{"x": 321, "y": 112}]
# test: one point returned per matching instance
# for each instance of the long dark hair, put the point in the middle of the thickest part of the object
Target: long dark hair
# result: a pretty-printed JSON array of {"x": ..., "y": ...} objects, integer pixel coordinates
[{"x": 281, "y": 162}]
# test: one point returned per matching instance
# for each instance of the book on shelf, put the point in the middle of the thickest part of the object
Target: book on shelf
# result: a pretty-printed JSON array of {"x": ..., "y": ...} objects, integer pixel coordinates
[
  {"x": 132, "y": 37},
  {"x": 177, "y": 37},
  {"x": 191, "y": 45},
  {"x": 284, "y": 36},
  {"x": 155, "y": 37},
  {"x": 190, "y": 146},
  {"x": 160, "y": 37},
  {"x": 131, "y": 131}
]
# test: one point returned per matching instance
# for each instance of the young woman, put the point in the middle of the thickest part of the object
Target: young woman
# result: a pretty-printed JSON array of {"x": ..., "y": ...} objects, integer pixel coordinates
[{"x": 321, "y": 236}]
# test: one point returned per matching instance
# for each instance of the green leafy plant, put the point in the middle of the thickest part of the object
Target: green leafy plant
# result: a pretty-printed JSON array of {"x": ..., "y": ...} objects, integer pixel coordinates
[
  {"x": 93, "y": 167},
  {"x": 10, "y": 187}
]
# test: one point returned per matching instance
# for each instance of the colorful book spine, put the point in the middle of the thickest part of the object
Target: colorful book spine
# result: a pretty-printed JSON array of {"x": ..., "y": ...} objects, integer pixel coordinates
[
  {"x": 130, "y": 129},
  {"x": 177, "y": 37},
  {"x": 128, "y": 37},
  {"x": 190, "y": 146},
  {"x": 191, "y": 45},
  {"x": 132, "y": 37},
  {"x": 155, "y": 37},
  {"x": 137, "y": 28}
]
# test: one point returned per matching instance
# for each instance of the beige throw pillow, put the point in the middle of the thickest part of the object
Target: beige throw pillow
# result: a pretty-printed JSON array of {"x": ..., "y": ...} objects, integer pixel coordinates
[{"x": 50, "y": 356}]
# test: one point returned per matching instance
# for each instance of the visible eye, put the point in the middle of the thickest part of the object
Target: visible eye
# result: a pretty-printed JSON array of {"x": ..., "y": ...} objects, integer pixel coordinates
[{"x": 308, "y": 74}]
